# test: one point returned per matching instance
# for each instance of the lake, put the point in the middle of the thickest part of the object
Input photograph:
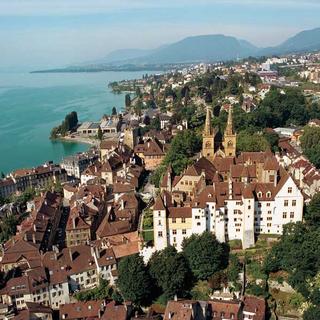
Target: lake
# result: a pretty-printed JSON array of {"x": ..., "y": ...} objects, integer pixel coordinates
[{"x": 31, "y": 104}]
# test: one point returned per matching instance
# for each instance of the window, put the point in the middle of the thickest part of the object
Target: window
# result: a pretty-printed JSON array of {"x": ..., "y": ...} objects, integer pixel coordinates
[
  {"x": 198, "y": 223},
  {"x": 173, "y": 220},
  {"x": 268, "y": 204},
  {"x": 268, "y": 194},
  {"x": 183, "y": 220},
  {"x": 284, "y": 215},
  {"x": 269, "y": 212},
  {"x": 269, "y": 224},
  {"x": 174, "y": 239},
  {"x": 259, "y": 204},
  {"x": 159, "y": 223},
  {"x": 294, "y": 203},
  {"x": 174, "y": 231},
  {"x": 184, "y": 231},
  {"x": 290, "y": 190},
  {"x": 160, "y": 235},
  {"x": 269, "y": 218},
  {"x": 197, "y": 217},
  {"x": 286, "y": 203},
  {"x": 291, "y": 215}
]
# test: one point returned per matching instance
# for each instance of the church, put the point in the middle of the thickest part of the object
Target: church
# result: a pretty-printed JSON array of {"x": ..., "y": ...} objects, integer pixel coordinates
[{"x": 211, "y": 148}]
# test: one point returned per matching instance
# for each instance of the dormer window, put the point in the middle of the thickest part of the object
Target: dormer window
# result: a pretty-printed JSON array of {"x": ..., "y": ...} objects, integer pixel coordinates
[
  {"x": 268, "y": 194},
  {"x": 259, "y": 194}
]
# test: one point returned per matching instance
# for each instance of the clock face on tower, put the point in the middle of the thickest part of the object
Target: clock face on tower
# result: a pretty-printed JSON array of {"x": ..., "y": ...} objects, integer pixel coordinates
[
  {"x": 208, "y": 144},
  {"x": 230, "y": 144}
]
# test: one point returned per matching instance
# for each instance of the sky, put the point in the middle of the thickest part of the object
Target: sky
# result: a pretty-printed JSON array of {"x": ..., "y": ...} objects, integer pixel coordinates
[{"x": 51, "y": 33}]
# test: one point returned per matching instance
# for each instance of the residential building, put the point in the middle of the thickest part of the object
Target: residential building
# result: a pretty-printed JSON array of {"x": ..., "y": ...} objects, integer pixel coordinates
[{"x": 76, "y": 164}]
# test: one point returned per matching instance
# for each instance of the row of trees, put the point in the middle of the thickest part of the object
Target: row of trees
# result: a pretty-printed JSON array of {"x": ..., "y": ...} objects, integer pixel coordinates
[
  {"x": 169, "y": 273},
  {"x": 70, "y": 123}
]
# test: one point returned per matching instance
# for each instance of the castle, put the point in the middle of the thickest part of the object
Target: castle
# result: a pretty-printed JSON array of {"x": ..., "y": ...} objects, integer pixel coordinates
[{"x": 236, "y": 197}]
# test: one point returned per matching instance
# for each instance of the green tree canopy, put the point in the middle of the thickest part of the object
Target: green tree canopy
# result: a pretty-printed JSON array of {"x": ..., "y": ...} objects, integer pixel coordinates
[
  {"x": 310, "y": 143},
  {"x": 100, "y": 134},
  {"x": 170, "y": 271},
  {"x": 312, "y": 215},
  {"x": 205, "y": 255},
  {"x": 312, "y": 313},
  {"x": 251, "y": 142},
  {"x": 128, "y": 100},
  {"x": 134, "y": 280}
]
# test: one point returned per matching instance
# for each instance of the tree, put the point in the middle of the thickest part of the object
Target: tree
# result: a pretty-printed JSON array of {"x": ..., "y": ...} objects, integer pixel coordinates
[
  {"x": 312, "y": 215},
  {"x": 251, "y": 142},
  {"x": 100, "y": 134},
  {"x": 170, "y": 271},
  {"x": 310, "y": 143},
  {"x": 114, "y": 111},
  {"x": 70, "y": 123},
  {"x": 205, "y": 255},
  {"x": 128, "y": 100},
  {"x": 312, "y": 313},
  {"x": 134, "y": 280},
  {"x": 218, "y": 280},
  {"x": 273, "y": 139}
]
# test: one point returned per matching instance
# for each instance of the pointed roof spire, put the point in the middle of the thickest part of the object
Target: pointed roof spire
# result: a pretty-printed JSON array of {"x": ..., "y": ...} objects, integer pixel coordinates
[
  {"x": 229, "y": 128},
  {"x": 207, "y": 126}
]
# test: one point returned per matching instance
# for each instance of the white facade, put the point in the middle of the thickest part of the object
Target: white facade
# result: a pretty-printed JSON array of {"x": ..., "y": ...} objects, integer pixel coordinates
[{"x": 237, "y": 219}]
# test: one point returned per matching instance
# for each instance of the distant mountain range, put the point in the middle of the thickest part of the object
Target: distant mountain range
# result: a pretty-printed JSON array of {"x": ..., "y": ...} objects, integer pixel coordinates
[{"x": 203, "y": 48}]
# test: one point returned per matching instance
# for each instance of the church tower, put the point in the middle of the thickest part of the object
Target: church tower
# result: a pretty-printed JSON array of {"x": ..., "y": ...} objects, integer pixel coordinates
[
  {"x": 230, "y": 137},
  {"x": 208, "y": 138}
]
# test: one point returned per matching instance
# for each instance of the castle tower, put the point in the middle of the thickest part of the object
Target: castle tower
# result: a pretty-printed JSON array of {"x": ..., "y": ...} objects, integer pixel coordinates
[
  {"x": 130, "y": 137},
  {"x": 208, "y": 138},
  {"x": 230, "y": 137}
]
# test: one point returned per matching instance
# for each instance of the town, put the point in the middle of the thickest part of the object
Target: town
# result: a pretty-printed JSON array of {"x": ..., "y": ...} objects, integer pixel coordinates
[{"x": 189, "y": 204}]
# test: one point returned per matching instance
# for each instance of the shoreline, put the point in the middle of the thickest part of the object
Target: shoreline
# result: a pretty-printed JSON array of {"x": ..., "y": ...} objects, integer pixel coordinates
[{"x": 80, "y": 140}]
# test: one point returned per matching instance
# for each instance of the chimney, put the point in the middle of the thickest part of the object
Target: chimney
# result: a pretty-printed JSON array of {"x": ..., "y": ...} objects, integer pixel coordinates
[
  {"x": 74, "y": 222},
  {"x": 165, "y": 200},
  {"x": 70, "y": 254},
  {"x": 34, "y": 227},
  {"x": 97, "y": 252},
  {"x": 34, "y": 238},
  {"x": 230, "y": 188},
  {"x": 122, "y": 204},
  {"x": 175, "y": 297}
]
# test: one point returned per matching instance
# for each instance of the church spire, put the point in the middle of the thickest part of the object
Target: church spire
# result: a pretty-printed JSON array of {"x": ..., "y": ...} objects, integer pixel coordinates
[
  {"x": 229, "y": 128},
  {"x": 207, "y": 126}
]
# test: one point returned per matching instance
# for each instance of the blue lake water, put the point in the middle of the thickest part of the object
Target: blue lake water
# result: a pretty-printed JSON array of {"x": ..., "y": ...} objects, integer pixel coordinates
[{"x": 31, "y": 104}]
